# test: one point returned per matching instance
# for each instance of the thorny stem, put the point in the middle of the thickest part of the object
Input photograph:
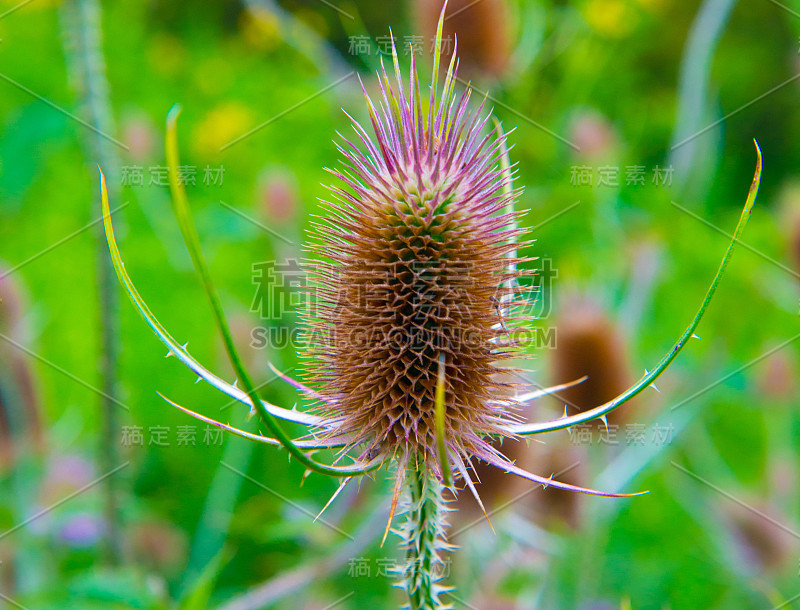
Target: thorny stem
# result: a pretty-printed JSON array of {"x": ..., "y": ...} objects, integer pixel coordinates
[
  {"x": 423, "y": 538},
  {"x": 83, "y": 37}
]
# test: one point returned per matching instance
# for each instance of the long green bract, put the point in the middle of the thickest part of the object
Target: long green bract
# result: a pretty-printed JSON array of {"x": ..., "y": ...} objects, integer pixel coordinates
[
  {"x": 439, "y": 418},
  {"x": 650, "y": 377},
  {"x": 192, "y": 241},
  {"x": 164, "y": 336}
]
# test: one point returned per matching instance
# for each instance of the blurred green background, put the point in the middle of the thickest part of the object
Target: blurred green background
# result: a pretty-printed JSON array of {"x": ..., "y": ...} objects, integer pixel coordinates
[{"x": 641, "y": 112}]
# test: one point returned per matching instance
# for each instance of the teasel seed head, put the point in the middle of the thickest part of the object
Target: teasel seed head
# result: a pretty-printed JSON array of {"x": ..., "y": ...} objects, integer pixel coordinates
[
  {"x": 415, "y": 292},
  {"x": 418, "y": 263}
]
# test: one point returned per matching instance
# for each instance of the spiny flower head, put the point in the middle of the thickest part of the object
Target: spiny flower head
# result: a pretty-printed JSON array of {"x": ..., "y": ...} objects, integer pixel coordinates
[{"x": 418, "y": 268}]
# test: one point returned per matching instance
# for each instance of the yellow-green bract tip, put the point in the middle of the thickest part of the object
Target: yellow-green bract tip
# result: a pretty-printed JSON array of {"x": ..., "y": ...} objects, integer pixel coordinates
[
  {"x": 439, "y": 422},
  {"x": 174, "y": 112}
]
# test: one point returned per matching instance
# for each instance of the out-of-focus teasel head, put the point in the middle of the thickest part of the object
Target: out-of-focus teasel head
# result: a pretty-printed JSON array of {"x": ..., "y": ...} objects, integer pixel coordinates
[
  {"x": 11, "y": 308},
  {"x": 158, "y": 545},
  {"x": 416, "y": 312},
  {"x": 788, "y": 218},
  {"x": 139, "y": 134},
  {"x": 762, "y": 544},
  {"x": 483, "y": 31},
  {"x": 593, "y": 134},
  {"x": 776, "y": 376},
  {"x": 589, "y": 345},
  {"x": 247, "y": 334},
  {"x": 568, "y": 462},
  {"x": 20, "y": 405},
  {"x": 277, "y": 197}
]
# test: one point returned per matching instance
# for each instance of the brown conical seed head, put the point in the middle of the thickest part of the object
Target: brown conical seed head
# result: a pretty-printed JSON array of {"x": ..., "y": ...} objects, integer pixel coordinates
[
  {"x": 417, "y": 263},
  {"x": 404, "y": 293}
]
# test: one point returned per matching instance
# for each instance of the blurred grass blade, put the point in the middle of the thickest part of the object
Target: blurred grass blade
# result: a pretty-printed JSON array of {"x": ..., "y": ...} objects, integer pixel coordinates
[{"x": 198, "y": 596}]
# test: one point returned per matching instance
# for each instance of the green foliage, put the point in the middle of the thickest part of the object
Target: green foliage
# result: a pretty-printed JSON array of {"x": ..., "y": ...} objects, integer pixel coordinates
[{"x": 667, "y": 549}]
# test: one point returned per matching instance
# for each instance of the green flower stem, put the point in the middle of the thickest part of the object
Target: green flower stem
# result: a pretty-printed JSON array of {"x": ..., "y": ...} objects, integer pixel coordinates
[{"x": 423, "y": 538}]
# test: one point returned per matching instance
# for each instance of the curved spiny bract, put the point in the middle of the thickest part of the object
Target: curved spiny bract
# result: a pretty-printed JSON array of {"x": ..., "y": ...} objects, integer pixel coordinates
[{"x": 418, "y": 252}]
